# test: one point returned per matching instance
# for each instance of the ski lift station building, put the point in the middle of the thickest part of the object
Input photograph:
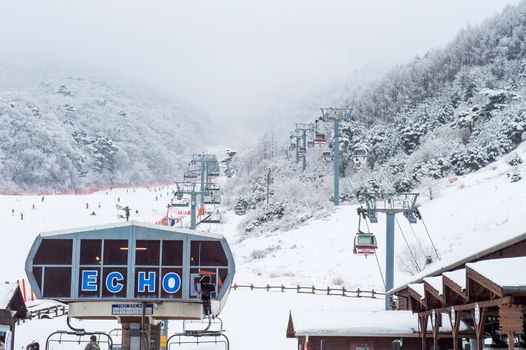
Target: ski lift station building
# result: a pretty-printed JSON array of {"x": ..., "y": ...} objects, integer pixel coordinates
[{"x": 130, "y": 270}]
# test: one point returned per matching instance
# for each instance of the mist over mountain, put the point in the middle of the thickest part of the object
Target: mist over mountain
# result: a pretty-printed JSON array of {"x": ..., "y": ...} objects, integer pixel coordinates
[
  {"x": 62, "y": 131},
  {"x": 448, "y": 113}
]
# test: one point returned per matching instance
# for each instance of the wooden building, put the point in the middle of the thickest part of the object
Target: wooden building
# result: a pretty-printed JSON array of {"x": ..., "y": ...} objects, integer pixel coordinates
[
  {"x": 485, "y": 291},
  {"x": 479, "y": 298},
  {"x": 354, "y": 330},
  {"x": 12, "y": 308},
  {"x": 488, "y": 297}
]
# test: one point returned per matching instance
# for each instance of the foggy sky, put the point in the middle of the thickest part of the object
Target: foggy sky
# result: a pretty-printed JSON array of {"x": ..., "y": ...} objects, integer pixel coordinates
[{"x": 235, "y": 60}]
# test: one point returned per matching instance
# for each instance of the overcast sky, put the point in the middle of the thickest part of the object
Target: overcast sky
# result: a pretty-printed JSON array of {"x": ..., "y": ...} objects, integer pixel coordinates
[{"x": 237, "y": 60}]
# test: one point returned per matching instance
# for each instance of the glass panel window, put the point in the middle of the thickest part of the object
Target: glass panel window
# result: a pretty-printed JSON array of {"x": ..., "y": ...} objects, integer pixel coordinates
[
  {"x": 172, "y": 253},
  {"x": 172, "y": 283},
  {"x": 90, "y": 251},
  {"x": 54, "y": 252},
  {"x": 37, "y": 271},
  {"x": 114, "y": 282},
  {"x": 57, "y": 282},
  {"x": 207, "y": 253},
  {"x": 115, "y": 252},
  {"x": 89, "y": 282},
  {"x": 147, "y": 253},
  {"x": 146, "y": 282}
]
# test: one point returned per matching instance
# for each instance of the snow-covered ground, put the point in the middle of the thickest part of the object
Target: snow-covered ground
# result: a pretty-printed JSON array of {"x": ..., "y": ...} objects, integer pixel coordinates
[{"x": 468, "y": 214}]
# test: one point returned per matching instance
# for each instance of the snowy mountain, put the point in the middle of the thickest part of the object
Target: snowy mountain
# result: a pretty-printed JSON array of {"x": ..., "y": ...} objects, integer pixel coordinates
[
  {"x": 61, "y": 131},
  {"x": 446, "y": 114}
]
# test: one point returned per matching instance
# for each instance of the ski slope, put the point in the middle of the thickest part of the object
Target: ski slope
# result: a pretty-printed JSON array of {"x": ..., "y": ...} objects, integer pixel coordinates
[{"x": 469, "y": 213}]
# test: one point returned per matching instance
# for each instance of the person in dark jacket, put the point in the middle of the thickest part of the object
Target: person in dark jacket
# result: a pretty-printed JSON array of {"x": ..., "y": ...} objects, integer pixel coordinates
[{"x": 92, "y": 345}]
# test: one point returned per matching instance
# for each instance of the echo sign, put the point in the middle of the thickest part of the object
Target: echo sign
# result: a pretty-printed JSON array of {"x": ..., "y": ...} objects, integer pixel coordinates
[{"x": 170, "y": 282}]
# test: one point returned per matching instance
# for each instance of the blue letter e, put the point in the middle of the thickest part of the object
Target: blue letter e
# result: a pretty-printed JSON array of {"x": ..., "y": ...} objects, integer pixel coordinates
[{"x": 89, "y": 280}]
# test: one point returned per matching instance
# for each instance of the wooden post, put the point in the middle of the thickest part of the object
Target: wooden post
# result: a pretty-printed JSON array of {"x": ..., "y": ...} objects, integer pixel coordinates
[
  {"x": 454, "y": 318},
  {"x": 479, "y": 328},
  {"x": 423, "y": 330},
  {"x": 511, "y": 341},
  {"x": 436, "y": 327}
]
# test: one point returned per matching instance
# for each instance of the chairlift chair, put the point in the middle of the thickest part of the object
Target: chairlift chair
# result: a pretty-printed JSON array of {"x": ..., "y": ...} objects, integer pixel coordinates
[
  {"x": 179, "y": 201},
  {"x": 212, "y": 199},
  {"x": 302, "y": 151},
  {"x": 213, "y": 187},
  {"x": 319, "y": 138},
  {"x": 365, "y": 244},
  {"x": 189, "y": 175},
  {"x": 213, "y": 217},
  {"x": 360, "y": 155}
]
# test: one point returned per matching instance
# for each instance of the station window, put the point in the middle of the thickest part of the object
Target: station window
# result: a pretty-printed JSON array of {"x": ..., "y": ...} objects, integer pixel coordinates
[
  {"x": 37, "y": 272},
  {"x": 90, "y": 251},
  {"x": 147, "y": 253},
  {"x": 207, "y": 253},
  {"x": 54, "y": 252},
  {"x": 113, "y": 285},
  {"x": 89, "y": 281},
  {"x": 57, "y": 282},
  {"x": 172, "y": 253},
  {"x": 115, "y": 252},
  {"x": 171, "y": 286},
  {"x": 147, "y": 282}
]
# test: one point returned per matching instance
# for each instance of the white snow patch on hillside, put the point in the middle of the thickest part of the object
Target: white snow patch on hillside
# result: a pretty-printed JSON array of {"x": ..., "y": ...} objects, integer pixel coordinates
[{"x": 471, "y": 213}]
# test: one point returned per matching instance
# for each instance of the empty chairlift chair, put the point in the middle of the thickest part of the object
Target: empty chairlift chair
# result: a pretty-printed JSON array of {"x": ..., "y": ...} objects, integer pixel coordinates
[
  {"x": 180, "y": 201},
  {"x": 302, "y": 151},
  {"x": 360, "y": 155},
  {"x": 212, "y": 198},
  {"x": 365, "y": 244},
  {"x": 189, "y": 175}
]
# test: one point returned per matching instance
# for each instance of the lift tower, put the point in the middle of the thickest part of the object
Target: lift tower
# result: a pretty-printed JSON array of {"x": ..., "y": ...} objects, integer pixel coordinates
[
  {"x": 295, "y": 135},
  {"x": 189, "y": 188},
  {"x": 207, "y": 162},
  {"x": 301, "y": 130},
  {"x": 336, "y": 115},
  {"x": 390, "y": 204}
]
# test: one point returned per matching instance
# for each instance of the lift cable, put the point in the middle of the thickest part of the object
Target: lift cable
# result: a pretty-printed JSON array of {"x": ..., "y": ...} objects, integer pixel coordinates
[
  {"x": 417, "y": 240},
  {"x": 361, "y": 212},
  {"x": 408, "y": 247},
  {"x": 428, "y": 235},
  {"x": 381, "y": 273}
]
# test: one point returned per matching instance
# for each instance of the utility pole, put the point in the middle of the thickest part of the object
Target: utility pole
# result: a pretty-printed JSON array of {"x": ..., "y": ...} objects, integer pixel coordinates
[
  {"x": 390, "y": 204},
  {"x": 336, "y": 115}
]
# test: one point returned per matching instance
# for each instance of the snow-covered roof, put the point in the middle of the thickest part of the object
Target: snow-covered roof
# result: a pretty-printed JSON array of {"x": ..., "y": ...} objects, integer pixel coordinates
[
  {"x": 457, "y": 276},
  {"x": 6, "y": 294},
  {"x": 453, "y": 263},
  {"x": 506, "y": 272},
  {"x": 354, "y": 323},
  {"x": 131, "y": 223},
  {"x": 418, "y": 287},
  {"x": 435, "y": 282}
]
